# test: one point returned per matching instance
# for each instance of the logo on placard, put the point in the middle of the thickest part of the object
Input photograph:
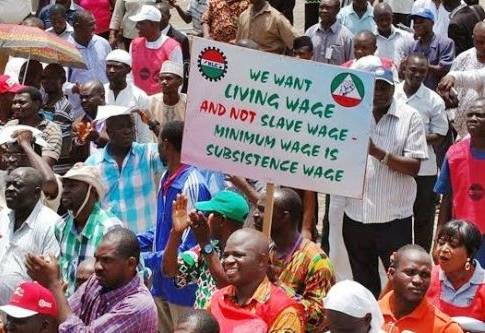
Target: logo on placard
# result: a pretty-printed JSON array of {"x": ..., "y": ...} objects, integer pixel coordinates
[
  {"x": 212, "y": 63},
  {"x": 347, "y": 90}
]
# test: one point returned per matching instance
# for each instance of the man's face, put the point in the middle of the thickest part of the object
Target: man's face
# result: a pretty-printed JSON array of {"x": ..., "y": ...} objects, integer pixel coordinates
[
  {"x": 13, "y": 157},
  {"x": 23, "y": 107},
  {"x": 422, "y": 26},
  {"x": 479, "y": 41},
  {"x": 475, "y": 119},
  {"x": 411, "y": 277},
  {"x": 74, "y": 192},
  {"x": 340, "y": 322},
  {"x": 121, "y": 130},
  {"x": 169, "y": 82},
  {"x": 116, "y": 71},
  {"x": 360, "y": 3},
  {"x": 240, "y": 260},
  {"x": 51, "y": 82},
  {"x": 58, "y": 23},
  {"x": 110, "y": 268},
  {"x": 145, "y": 28},
  {"x": 90, "y": 98},
  {"x": 19, "y": 192},
  {"x": 383, "y": 93},
  {"x": 303, "y": 53},
  {"x": 33, "y": 324},
  {"x": 84, "y": 29},
  {"x": 415, "y": 72},
  {"x": 383, "y": 21},
  {"x": 363, "y": 46},
  {"x": 328, "y": 11}
]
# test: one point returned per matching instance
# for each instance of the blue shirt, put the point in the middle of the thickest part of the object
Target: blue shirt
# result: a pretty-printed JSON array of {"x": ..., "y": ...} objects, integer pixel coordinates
[
  {"x": 464, "y": 296},
  {"x": 443, "y": 183},
  {"x": 45, "y": 14},
  {"x": 131, "y": 192},
  {"x": 349, "y": 18},
  {"x": 190, "y": 183}
]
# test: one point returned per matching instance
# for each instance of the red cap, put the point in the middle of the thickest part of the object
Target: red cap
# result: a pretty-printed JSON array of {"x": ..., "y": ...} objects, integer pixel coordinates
[
  {"x": 7, "y": 84},
  {"x": 29, "y": 299}
]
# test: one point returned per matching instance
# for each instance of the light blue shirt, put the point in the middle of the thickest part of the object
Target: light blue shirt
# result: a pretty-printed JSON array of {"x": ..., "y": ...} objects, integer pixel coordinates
[
  {"x": 349, "y": 18},
  {"x": 464, "y": 296},
  {"x": 132, "y": 191}
]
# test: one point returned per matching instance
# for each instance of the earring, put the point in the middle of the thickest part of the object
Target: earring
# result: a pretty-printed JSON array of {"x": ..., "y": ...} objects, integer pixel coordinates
[{"x": 468, "y": 266}]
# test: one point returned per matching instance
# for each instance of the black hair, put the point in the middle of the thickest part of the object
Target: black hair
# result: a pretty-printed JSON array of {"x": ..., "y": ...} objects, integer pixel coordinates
[
  {"x": 173, "y": 132},
  {"x": 289, "y": 200},
  {"x": 367, "y": 34},
  {"x": 204, "y": 321},
  {"x": 57, "y": 70},
  {"x": 465, "y": 232},
  {"x": 33, "y": 92},
  {"x": 404, "y": 249},
  {"x": 80, "y": 15},
  {"x": 419, "y": 56},
  {"x": 302, "y": 41},
  {"x": 58, "y": 9},
  {"x": 127, "y": 243}
]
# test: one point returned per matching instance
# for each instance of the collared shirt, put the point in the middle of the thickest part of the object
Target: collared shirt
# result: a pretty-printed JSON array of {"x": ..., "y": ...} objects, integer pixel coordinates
[
  {"x": 222, "y": 16},
  {"x": 424, "y": 318},
  {"x": 35, "y": 235},
  {"x": 196, "y": 8},
  {"x": 130, "y": 97},
  {"x": 349, "y": 18},
  {"x": 400, "y": 6},
  {"x": 466, "y": 61},
  {"x": 76, "y": 246},
  {"x": 268, "y": 28},
  {"x": 441, "y": 15},
  {"x": 193, "y": 269},
  {"x": 66, "y": 34},
  {"x": 94, "y": 56},
  {"x": 388, "y": 47},
  {"x": 132, "y": 193},
  {"x": 127, "y": 309},
  {"x": 331, "y": 46},
  {"x": 440, "y": 51},
  {"x": 400, "y": 132},
  {"x": 287, "y": 321},
  {"x": 120, "y": 20},
  {"x": 307, "y": 275},
  {"x": 188, "y": 181},
  {"x": 464, "y": 296},
  {"x": 431, "y": 108}
]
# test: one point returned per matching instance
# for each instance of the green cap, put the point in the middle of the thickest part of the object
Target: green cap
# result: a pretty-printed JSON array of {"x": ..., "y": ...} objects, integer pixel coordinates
[{"x": 228, "y": 203}]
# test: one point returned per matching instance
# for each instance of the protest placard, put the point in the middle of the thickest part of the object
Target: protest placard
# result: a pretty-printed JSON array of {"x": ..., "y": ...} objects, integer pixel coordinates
[{"x": 277, "y": 119}]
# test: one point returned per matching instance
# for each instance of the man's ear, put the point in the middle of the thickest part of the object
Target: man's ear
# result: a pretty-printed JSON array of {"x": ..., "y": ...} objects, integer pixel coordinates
[{"x": 133, "y": 262}]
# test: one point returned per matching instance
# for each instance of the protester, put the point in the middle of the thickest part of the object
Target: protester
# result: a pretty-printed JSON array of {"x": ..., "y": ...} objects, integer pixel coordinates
[
  {"x": 350, "y": 307},
  {"x": 109, "y": 301},
  {"x": 122, "y": 92},
  {"x": 406, "y": 307},
  {"x": 298, "y": 264},
  {"x": 266, "y": 26},
  {"x": 197, "y": 321},
  {"x": 193, "y": 14},
  {"x": 364, "y": 44},
  {"x": 101, "y": 10},
  {"x": 26, "y": 226},
  {"x": 357, "y": 16},
  {"x": 461, "y": 180},
  {"x": 31, "y": 309},
  {"x": 251, "y": 302},
  {"x": 71, "y": 8},
  {"x": 441, "y": 15},
  {"x": 431, "y": 108},
  {"x": 381, "y": 222},
  {"x": 226, "y": 212},
  {"x": 8, "y": 88},
  {"x": 219, "y": 21},
  {"x": 85, "y": 223},
  {"x": 30, "y": 73},
  {"x": 150, "y": 50},
  {"x": 84, "y": 271},
  {"x": 129, "y": 171},
  {"x": 60, "y": 26},
  {"x": 303, "y": 48},
  {"x": 458, "y": 282},
  {"x": 178, "y": 179}
]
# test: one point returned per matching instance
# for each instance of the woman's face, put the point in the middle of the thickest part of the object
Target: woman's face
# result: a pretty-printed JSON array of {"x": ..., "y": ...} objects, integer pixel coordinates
[{"x": 451, "y": 254}]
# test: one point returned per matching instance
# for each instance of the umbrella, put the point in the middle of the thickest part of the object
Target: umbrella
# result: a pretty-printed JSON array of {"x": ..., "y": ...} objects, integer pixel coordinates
[{"x": 34, "y": 43}]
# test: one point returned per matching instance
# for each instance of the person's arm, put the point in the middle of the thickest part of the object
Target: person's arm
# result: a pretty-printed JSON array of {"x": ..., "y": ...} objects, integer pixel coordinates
[
  {"x": 184, "y": 15},
  {"x": 443, "y": 187},
  {"x": 287, "y": 32},
  {"x": 406, "y": 165},
  {"x": 115, "y": 23},
  {"x": 445, "y": 214},
  {"x": 205, "y": 21},
  {"x": 176, "y": 55},
  {"x": 242, "y": 185},
  {"x": 446, "y": 59},
  {"x": 309, "y": 204}
]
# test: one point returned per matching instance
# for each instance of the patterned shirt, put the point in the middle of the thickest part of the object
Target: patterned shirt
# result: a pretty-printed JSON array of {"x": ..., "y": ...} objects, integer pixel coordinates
[
  {"x": 192, "y": 268},
  {"x": 78, "y": 246},
  {"x": 195, "y": 9},
  {"x": 132, "y": 191},
  {"x": 222, "y": 16},
  {"x": 307, "y": 275},
  {"x": 127, "y": 309}
]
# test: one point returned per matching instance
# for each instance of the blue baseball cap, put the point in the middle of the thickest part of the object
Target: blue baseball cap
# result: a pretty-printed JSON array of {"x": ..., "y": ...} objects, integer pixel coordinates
[{"x": 423, "y": 13}]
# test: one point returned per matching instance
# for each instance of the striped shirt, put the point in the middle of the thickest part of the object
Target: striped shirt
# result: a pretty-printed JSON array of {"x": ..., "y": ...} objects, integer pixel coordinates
[
  {"x": 389, "y": 195},
  {"x": 132, "y": 191},
  {"x": 78, "y": 246},
  {"x": 195, "y": 9},
  {"x": 127, "y": 309}
]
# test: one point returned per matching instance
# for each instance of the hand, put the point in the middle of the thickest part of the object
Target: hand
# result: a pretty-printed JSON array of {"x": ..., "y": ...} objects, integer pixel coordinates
[
  {"x": 200, "y": 227},
  {"x": 76, "y": 88},
  {"x": 84, "y": 132},
  {"x": 23, "y": 137},
  {"x": 180, "y": 221},
  {"x": 446, "y": 83},
  {"x": 43, "y": 270},
  {"x": 172, "y": 3},
  {"x": 113, "y": 39},
  {"x": 372, "y": 147},
  {"x": 144, "y": 116}
]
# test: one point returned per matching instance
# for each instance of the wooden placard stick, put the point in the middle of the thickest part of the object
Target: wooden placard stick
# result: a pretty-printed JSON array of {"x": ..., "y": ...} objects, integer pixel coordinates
[{"x": 268, "y": 210}]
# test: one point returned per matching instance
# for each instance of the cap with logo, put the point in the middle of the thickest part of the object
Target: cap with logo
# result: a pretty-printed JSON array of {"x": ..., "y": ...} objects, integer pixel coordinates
[
  {"x": 7, "y": 84},
  {"x": 382, "y": 68},
  {"x": 29, "y": 299},
  {"x": 425, "y": 13},
  {"x": 230, "y": 204},
  {"x": 147, "y": 13}
]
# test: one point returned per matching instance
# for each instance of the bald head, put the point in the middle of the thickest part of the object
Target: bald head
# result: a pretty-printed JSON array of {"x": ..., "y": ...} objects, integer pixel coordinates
[
  {"x": 409, "y": 252},
  {"x": 30, "y": 175},
  {"x": 254, "y": 239},
  {"x": 382, "y": 8},
  {"x": 95, "y": 86},
  {"x": 479, "y": 39},
  {"x": 23, "y": 187},
  {"x": 92, "y": 95}
]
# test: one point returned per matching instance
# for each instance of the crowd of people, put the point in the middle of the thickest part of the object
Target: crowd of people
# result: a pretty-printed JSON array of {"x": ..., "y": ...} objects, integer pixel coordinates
[{"x": 104, "y": 229}]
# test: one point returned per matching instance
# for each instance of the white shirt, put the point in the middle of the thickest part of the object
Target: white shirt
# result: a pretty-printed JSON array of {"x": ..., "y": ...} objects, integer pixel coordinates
[
  {"x": 431, "y": 108},
  {"x": 175, "y": 55},
  {"x": 65, "y": 34},
  {"x": 400, "y": 6},
  {"x": 130, "y": 97},
  {"x": 389, "y": 195},
  {"x": 388, "y": 47},
  {"x": 441, "y": 15},
  {"x": 472, "y": 79},
  {"x": 36, "y": 235},
  {"x": 14, "y": 11}
]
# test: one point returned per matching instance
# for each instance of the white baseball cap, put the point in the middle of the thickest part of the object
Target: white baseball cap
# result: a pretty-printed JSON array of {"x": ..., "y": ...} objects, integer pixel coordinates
[
  {"x": 147, "y": 13},
  {"x": 119, "y": 55},
  {"x": 108, "y": 111}
]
